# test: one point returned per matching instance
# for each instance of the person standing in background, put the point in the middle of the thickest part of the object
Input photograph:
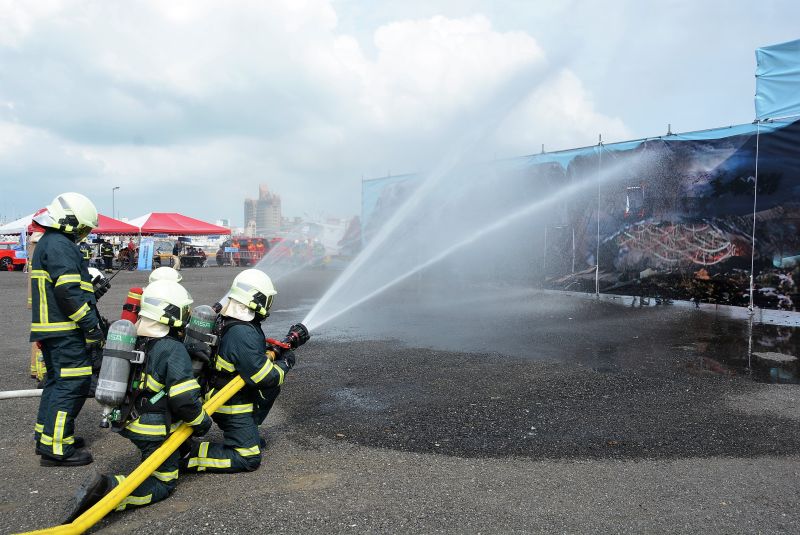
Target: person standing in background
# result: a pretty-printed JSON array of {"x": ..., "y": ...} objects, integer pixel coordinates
[
  {"x": 107, "y": 252},
  {"x": 131, "y": 255},
  {"x": 176, "y": 255}
]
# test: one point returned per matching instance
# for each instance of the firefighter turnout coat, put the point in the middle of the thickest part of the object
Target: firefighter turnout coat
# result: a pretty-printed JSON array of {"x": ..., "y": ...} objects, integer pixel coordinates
[
  {"x": 62, "y": 295},
  {"x": 242, "y": 351}
]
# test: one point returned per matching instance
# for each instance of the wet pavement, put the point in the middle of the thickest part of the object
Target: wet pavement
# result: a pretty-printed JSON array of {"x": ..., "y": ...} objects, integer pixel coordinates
[
  {"x": 482, "y": 410},
  {"x": 578, "y": 329},
  {"x": 600, "y": 367}
]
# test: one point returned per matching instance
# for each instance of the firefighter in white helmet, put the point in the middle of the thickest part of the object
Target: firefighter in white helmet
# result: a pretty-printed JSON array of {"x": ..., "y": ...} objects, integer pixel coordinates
[
  {"x": 243, "y": 350},
  {"x": 66, "y": 324},
  {"x": 171, "y": 395},
  {"x": 165, "y": 273}
]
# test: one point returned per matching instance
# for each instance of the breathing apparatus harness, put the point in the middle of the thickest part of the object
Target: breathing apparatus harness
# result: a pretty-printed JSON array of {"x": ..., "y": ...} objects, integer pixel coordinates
[
  {"x": 139, "y": 399},
  {"x": 214, "y": 378}
]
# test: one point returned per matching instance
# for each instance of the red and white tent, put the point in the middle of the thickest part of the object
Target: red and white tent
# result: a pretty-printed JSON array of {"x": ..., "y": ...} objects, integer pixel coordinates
[
  {"x": 176, "y": 225},
  {"x": 109, "y": 225}
]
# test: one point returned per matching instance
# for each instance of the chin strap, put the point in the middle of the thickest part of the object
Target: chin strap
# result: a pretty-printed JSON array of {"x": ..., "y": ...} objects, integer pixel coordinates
[
  {"x": 171, "y": 322},
  {"x": 258, "y": 309}
]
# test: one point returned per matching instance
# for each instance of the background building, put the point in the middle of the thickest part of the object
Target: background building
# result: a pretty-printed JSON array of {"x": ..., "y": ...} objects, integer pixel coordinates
[{"x": 262, "y": 216}]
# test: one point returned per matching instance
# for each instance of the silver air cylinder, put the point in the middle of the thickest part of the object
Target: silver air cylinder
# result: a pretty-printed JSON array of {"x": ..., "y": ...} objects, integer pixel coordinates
[
  {"x": 114, "y": 370},
  {"x": 198, "y": 332}
]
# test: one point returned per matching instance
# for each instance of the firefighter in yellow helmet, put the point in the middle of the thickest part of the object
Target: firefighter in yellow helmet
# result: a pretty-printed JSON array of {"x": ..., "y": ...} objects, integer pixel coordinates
[
  {"x": 66, "y": 324},
  {"x": 171, "y": 395},
  {"x": 86, "y": 250},
  {"x": 243, "y": 351},
  {"x": 107, "y": 253}
]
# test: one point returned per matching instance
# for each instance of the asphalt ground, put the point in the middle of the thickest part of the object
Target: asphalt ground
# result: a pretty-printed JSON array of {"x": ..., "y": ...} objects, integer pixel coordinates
[{"x": 508, "y": 411}]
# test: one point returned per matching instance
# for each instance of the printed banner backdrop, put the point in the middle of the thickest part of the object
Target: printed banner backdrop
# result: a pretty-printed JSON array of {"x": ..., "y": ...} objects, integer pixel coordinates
[
  {"x": 670, "y": 217},
  {"x": 145, "y": 254}
]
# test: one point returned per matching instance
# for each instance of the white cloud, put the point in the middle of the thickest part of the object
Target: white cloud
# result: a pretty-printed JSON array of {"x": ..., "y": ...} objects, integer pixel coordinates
[
  {"x": 197, "y": 97},
  {"x": 560, "y": 114},
  {"x": 433, "y": 68},
  {"x": 18, "y": 20}
]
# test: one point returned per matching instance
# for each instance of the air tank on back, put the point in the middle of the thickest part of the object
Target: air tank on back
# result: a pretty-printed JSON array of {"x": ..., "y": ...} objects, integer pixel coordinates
[
  {"x": 133, "y": 304},
  {"x": 198, "y": 339},
  {"x": 115, "y": 370}
]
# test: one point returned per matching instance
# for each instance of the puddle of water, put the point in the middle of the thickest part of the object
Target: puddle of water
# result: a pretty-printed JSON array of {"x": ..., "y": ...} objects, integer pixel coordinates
[{"x": 765, "y": 352}]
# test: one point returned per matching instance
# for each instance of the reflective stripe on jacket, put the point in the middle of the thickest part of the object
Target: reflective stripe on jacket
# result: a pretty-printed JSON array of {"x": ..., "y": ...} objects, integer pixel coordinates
[
  {"x": 169, "y": 373},
  {"x": 62, "y": 295}
]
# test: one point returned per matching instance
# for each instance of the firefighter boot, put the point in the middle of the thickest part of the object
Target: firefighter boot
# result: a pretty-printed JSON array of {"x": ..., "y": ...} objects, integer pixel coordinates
[
  {"x": 79, "y": 444},
  {"x": 93, "y": 488},
  {"x": 79, "y": 458}
]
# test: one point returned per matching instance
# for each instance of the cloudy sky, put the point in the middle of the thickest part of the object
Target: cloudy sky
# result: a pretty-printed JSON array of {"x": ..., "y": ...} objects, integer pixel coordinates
[{"x": 188, "y": 105}]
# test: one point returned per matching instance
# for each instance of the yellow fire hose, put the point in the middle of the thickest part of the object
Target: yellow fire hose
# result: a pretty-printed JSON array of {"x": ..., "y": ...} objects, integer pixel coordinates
[{"x": 143, "y": 471}]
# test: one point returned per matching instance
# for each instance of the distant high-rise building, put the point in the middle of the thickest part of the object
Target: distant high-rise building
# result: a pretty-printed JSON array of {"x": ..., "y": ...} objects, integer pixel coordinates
[
  {"x": 250, "y": 207},
  {"x": 264, "y": 213}
]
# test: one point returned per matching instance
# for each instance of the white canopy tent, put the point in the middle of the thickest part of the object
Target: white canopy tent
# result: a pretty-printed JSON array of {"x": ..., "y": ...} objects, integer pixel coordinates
[{"x": 17, "y": 226}]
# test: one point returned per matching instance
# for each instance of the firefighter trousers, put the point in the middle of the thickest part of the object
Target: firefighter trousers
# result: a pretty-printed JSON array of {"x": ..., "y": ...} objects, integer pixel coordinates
[
  {"x": 158, "y": 485},
  {"x": 241, "y": 448},
  {"x": 66, "y": 385}
]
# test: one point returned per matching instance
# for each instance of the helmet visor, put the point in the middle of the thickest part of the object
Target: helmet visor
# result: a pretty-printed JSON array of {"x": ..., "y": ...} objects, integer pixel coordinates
[
  {"x": 81, "y": 232},
  {"x": 261, "y": 304},
  {"x": 177, "y": 316},
  {"x": 186, "y": 313}
]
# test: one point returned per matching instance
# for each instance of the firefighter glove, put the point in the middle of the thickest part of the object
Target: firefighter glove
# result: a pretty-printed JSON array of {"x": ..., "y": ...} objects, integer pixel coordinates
[
  {"x": 95, "y": 340},
  {"x": 288, "y": 357},
  {"x": 101, "y": 286}
]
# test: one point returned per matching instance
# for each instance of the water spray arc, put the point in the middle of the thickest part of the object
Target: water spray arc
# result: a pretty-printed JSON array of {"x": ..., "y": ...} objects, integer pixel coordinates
[
  {"x": 313, "y": 321},
  {"x": 510, "y": 95},
  {"x": 474, "y": 203}
]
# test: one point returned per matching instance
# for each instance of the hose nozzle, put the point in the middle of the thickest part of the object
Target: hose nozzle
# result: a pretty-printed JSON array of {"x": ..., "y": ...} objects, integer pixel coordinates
[{"x": 297, "y": 335}]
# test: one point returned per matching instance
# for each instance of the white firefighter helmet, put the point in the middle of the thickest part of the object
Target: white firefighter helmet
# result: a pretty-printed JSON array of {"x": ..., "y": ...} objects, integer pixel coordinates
[
  {"x": 71, "y": 213},
  {"x": 166, "y": 302},
  {"x": 165, "y": 273},
  {"x": 254, "y": 289}
]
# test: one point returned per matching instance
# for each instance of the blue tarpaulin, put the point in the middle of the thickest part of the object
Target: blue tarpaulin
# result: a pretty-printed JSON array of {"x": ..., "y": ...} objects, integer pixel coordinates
[{"x": 778, "y": 80}]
